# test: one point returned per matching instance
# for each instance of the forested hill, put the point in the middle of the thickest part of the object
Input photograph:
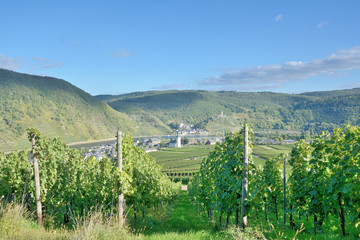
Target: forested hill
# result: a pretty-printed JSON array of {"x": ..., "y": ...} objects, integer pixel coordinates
[
  {"x": 56, "y": 108},
  {"x": 313, "y": 111}
]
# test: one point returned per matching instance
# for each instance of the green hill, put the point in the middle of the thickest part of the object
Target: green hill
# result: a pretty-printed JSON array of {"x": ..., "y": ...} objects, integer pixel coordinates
[
  {"x": 314, "y": 112},
  {"x": 56, "y": 108}
]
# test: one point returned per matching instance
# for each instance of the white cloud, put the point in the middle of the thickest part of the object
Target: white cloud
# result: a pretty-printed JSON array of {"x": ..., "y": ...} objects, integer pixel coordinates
[
  {"x": 41, "y": 63},
  {"x": 320, "y": 25},
  {"x": 10, "y": 63},
  {"x": 36, "y": 63},
  {"x": 350, "y": 85},
  {"x": 122, "y": 53},
  {"x": 278, "y": 17},
  {"x": 169, "y": 86},
  {"x": 289, "y": 71},
  {"x": 244, "y": 88}
]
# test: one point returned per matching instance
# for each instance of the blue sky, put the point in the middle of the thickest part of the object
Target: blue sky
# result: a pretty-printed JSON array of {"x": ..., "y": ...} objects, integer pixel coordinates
[{"x": 114, "y": 47}]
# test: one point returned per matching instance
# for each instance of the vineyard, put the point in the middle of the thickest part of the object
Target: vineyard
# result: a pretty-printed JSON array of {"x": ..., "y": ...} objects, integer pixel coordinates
[
  {"x": 322, "y": 191},
  {"x": 307, "y": 190},
  {"x": 71, "y": 185},
  {"x": 181, "y": 163},
  {"x": 185, "y": 162}
]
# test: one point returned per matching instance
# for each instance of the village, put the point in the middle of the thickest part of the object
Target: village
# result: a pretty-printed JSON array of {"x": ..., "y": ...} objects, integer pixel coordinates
[
  {"x": 150, "y": 145},
  {"x": 185, "y": 135}
]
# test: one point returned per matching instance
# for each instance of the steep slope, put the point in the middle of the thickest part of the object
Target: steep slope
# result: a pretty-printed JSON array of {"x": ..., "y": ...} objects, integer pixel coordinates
[
  {"x": 332, "y": 111},
  {"x": 313, "y": 112},
  {"x": 330, "y": 94},
  {"x": 55, "y": 107}
]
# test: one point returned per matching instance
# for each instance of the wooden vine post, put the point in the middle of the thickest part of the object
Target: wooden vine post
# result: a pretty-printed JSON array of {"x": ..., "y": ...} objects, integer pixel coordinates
[
  {"x": 37, "y": 183},
  {"x": 284, "y": 190},
  {"x": 245, "y": 178},
  {"x": 120, "y": 194}
]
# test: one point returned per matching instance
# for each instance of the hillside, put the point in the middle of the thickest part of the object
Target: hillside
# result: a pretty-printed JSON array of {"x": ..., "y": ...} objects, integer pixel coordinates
[
  {"x": 314, "y": 111},
  {"x": 56, "y": 108}
]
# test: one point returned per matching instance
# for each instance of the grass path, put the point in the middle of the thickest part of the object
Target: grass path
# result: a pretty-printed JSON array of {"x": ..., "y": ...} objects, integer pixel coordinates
[
  {"x": 183, "y": 221},
  {"x": 184, "y": 217}
]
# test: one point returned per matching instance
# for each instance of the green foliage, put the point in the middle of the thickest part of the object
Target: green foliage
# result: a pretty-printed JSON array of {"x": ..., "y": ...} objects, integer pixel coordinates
[
  {"x": 322, "y": 184},
  {"x": 271, "y": 181},
  {"x": 71, "y": 185},
  {"x": 325, "y": 176},
  {"x": 57, "y": 108},
  {"x": 298, "y": 181},
  {"x": 178, "y": 220},
  {"x": 313, "y": 112},
  {"x": 218, "y": 183}
]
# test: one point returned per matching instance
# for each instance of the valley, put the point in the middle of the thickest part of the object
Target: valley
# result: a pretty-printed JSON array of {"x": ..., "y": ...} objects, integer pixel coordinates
[
  {"x": 209, "y": 161},
  {"x": 57, "y": 108}
]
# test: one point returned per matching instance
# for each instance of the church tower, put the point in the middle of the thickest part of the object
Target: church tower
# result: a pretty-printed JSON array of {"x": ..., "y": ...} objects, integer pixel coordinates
[{"x": 178, "y": 140}]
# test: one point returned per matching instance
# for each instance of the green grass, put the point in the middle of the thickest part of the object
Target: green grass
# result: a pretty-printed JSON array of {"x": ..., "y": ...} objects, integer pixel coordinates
[
  {"x": 181, "y": 220},
  {"x": 182, "y": 217},
  {"x": 17, "y": 223},
  {"x": 178, "y": 220},
  {"x": 184, "y": 220}
]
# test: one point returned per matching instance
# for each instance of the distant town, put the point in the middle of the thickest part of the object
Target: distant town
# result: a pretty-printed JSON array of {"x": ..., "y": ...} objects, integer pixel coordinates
[
  {"x": 185, "y": 135},
  {"x": 151, "y": 145}
]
